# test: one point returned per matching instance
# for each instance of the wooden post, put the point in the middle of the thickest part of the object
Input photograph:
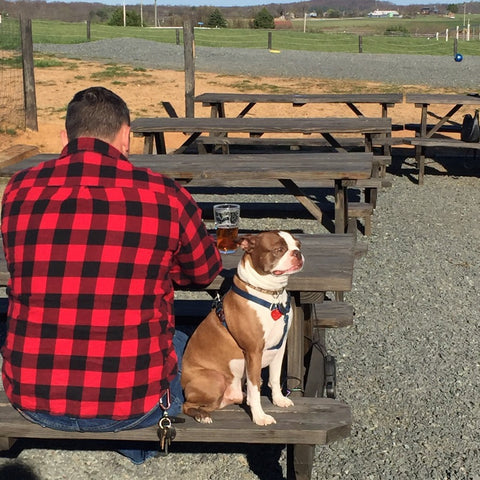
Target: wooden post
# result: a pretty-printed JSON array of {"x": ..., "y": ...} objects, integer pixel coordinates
[
  {"x": 455, "y": 47},
  {"x": 177, "y": 36},
  {"x": 189, "y": 55},
  {"x": 88, "y": 30},
  {"x": 269, "y": 46},
  {"x": 360, "y": 44},
  {"x": 28, "y": 74}
]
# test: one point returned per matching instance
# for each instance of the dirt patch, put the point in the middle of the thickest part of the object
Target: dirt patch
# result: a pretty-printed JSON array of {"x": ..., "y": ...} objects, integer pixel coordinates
[{"x": 144, "y": 90}]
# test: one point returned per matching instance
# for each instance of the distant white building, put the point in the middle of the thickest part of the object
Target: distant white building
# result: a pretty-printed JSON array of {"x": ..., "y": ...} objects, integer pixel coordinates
[{"x": 384, "y": 13}]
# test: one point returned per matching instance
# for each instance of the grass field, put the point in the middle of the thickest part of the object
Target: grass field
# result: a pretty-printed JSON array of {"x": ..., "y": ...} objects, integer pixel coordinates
[{"x": 417, "y": 35}]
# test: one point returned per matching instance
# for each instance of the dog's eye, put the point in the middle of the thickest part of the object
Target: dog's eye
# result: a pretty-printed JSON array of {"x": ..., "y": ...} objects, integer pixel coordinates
[{"x": 279, "y": 251}]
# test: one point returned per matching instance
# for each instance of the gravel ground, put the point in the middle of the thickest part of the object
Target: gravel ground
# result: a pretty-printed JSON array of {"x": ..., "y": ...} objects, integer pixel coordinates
[
  {"x": 409, "y": 367},
  {"x": 396, "y": 69}
]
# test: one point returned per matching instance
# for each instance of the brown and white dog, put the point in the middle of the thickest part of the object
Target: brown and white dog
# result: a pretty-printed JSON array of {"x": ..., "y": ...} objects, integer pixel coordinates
[{"x": 245, "y": 334}]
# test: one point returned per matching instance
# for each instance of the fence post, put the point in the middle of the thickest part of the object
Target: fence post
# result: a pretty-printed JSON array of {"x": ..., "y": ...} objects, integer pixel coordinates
[
  {"x": 88, "y": 30},
  {"x": 28, "y": 74},
  {"x": 455, "y": 46},
  {"x": 269, "y": 46},
  {"x": 360, "y": 44},
  {"x": 177, "y": 36},
  {"x": 189, "y": 56}
]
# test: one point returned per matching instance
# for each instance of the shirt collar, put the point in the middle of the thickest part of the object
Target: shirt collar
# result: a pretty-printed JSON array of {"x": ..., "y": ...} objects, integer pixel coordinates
[{"x": 83, "y": 144}]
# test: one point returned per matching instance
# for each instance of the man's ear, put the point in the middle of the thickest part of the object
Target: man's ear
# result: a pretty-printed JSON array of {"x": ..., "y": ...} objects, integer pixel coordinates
[
  {"x": 123, "y": 139},
  {"x": 64, "y": 137}
]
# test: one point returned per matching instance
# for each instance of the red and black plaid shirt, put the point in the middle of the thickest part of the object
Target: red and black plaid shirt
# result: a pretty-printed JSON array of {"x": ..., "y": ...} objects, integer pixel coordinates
[{"x": 93, "y": 245}]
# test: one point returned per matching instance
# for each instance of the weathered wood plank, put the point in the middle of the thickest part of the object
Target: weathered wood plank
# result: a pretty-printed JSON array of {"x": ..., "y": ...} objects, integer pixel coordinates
[
  {"x": 444, "y": 143},
  {"x": 311, "y": 420},
  {"x": 383, "y": 98},
  {"x": 332, "y": 314},
  {"x": 294, "y": 166},
  {"x": 441, "y": 99},
  {"x": 329, "y": 267},
  {"x": 145, "y": 125},
  {"x": 16, "y": 153}
]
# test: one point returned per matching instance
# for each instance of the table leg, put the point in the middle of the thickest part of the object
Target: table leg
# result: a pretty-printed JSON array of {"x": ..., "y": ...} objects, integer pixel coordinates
[
  {"x": 295, "y": 350},
  {"x": 341, "y": 207},
  {"x": 300, "y": 462},
  {"x": 420, "y": 159},
  {"x": 297, "y": 192},
  {"x": 217, "y": 110},
  {"x": 160, "y": 143},
  {"x": 387, "y": 147},
  {"x": 148, "y": 143}
]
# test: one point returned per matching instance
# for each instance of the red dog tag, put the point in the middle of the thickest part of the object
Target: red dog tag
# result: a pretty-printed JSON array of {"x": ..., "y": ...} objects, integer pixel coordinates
[{"x": 276, "y": 314}]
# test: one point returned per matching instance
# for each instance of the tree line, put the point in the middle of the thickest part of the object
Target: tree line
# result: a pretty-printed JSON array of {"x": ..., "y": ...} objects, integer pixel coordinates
[{"x": 234, "y": 17}]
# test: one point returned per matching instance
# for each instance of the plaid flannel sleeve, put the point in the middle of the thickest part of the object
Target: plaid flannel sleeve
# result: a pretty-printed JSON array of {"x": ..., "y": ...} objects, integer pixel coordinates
[{"x": 197, "y": 260}]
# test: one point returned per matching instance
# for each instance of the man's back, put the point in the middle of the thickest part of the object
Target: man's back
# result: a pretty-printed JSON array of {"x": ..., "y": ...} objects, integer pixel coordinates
[{"x": 93, "y": 245}]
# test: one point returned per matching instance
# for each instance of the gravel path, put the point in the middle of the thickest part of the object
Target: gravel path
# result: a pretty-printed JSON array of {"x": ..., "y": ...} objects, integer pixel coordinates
[
  {"x": 396, "y": 69},
  {"x": 409, "y": 367}
]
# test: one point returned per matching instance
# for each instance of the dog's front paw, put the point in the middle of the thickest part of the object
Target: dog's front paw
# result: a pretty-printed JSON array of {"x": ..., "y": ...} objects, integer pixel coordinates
[
  {"x": 264, "y": 420},
  {"x": 283, "y": 402},
  {"x": 203, "y": 419}
]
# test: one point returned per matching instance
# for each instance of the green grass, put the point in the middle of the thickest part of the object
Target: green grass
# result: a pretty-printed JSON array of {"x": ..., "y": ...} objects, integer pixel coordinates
[{"x": 336, "y": 35}]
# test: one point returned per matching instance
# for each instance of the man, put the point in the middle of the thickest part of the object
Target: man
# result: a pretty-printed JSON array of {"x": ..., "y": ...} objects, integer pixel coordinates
[{"x": 93, "y": 246}]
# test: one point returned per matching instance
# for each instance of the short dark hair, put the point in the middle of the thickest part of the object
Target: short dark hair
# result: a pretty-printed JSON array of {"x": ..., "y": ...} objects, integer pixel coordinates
[{"x": 96, "y": 112}]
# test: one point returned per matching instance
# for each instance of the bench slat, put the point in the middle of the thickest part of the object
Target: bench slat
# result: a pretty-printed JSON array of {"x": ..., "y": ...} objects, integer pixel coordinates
[
  {"x": 444, "y": 142},
  {"x": 333, "y": 315},
  {"x": 16, "y": 153},
  {"x": 312, "y": 421}
]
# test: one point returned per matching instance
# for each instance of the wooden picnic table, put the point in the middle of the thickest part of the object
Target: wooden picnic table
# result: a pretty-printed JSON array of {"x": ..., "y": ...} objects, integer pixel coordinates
[
  {"x": 153, "y": 129},
  {"x": 436, "y": 120},
  {"x": 343, "y": 169},
  {"x": 217, "y": 100},
  {"x": 314, "y": 420}
]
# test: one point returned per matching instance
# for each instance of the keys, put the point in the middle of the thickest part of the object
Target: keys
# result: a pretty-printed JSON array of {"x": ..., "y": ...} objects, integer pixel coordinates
[{"x": 166, "y": 433}]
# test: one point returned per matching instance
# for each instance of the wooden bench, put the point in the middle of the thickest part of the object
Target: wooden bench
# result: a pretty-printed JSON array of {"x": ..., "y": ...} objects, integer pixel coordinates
[
  {"x": 311, "y": 421},
  {"x": 208, "y": 144},
  {"x": 16, "y": 153},
  {"x": 422, "y": 143},
  {"x": 314, "y": 420},
  {"x": 438, "y": 116}
]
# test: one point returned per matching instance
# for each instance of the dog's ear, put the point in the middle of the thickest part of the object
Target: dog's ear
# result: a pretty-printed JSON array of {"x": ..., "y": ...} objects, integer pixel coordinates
[{"x": 247, "y": 242}]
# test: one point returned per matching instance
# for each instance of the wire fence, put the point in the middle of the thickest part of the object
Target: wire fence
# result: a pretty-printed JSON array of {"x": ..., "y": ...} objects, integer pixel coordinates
[
  {"x": 436, "y": 43},
  {"x": 12, "y": 106}
]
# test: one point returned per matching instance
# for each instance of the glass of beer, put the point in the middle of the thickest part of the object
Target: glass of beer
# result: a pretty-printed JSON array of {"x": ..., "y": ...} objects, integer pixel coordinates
[{"x": 227, "y": 219}]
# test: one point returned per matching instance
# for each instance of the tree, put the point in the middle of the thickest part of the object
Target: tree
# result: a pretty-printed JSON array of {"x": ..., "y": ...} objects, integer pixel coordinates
[
  {"x": 332, "y": 13},
  {"x": 216, "y": 20},
  {"x": 452, "y": 8},
  {"x": 263, "y": 19},
  {"x": 132, "y": 19}
]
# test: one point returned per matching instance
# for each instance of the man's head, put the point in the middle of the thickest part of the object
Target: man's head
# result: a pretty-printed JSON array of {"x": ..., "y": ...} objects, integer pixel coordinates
[{"x": 99, "y": 113}]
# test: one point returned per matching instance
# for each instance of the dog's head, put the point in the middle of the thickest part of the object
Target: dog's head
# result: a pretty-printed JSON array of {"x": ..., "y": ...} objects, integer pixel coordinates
[{"x": 270, "y": 257}]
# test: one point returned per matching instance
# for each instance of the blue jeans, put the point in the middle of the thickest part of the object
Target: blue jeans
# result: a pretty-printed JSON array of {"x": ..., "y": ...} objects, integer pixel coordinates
[{"x": 70, "y": 424}]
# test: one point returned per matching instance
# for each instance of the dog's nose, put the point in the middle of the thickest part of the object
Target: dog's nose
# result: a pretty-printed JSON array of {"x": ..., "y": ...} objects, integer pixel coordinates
[{"x": 297, "y": 254}]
